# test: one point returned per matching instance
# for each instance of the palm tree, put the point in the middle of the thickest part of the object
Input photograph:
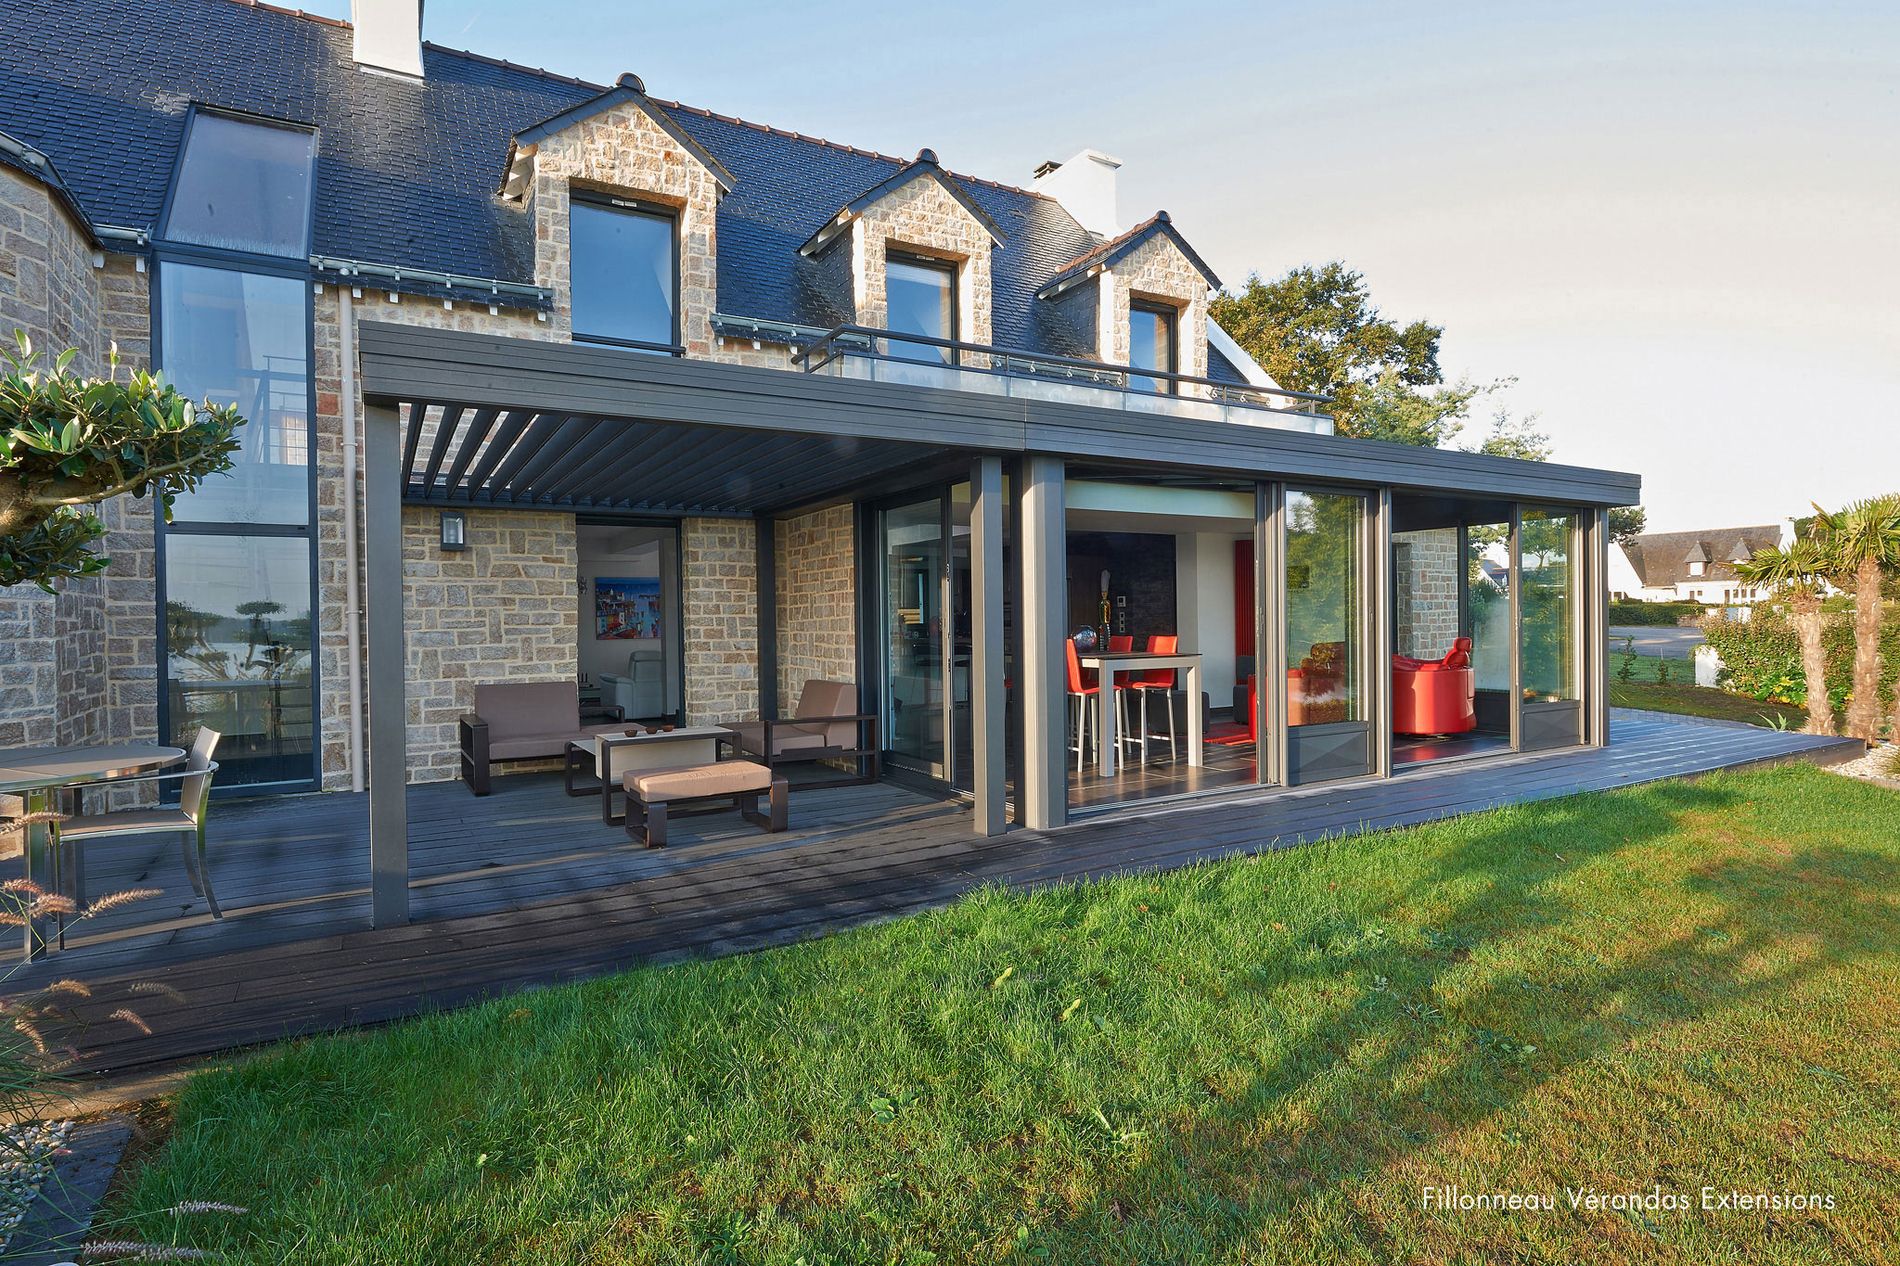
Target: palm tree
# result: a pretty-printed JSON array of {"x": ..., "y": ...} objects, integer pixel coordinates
[
  {"x": 1860, "y": 544},
  {"x": 1799, "y": 573}
]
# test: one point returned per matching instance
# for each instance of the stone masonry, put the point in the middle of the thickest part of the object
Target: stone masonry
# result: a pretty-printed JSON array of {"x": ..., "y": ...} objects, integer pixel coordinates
[
  {"x": 719, "y": 625},
  {"x": 922, "y": 217},
  {"x": 1156, "y": 271},
  {"x": 501, "y": 610},
  {"x": 1426, "y": 567},
  {"x": 817, "y": 601}
]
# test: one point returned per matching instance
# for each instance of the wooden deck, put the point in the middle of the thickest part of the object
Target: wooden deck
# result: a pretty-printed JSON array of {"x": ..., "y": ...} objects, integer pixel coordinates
[{"x": 528, "y": 887}]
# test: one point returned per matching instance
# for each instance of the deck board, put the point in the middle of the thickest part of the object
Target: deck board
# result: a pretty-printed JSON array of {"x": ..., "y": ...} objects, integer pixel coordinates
[{"x": 528, "y": 887}]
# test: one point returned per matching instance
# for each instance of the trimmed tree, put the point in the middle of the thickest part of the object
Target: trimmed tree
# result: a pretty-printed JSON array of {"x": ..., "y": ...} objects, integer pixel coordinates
[
  {"x": 68, "y": 442},
  {"x": 1860, "y": 547},
  {"x": 1799, "y": 574}
]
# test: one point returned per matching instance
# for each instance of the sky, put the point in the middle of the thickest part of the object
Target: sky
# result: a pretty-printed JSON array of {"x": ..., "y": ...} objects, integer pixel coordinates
[{"x": 1675, "y": 225}]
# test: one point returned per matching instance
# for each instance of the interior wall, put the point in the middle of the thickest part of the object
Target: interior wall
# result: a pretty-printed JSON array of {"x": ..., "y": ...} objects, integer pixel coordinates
[
  {"x": 631, "y": 552},
  {"x": 1204, "y": 577}
]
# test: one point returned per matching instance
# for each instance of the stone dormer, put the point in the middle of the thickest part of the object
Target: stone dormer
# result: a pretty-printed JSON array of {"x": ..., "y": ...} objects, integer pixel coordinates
[
  {"x": 920, "y": 210},
  {"x": 1152, "y": 264},
  {"x": 620, "y": 144}
]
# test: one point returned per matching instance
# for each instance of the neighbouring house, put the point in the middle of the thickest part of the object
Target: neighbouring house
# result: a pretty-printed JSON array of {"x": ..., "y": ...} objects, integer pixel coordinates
[
  {"x": 552, "y": 380},
  {"x": 1693, "y": 566}
]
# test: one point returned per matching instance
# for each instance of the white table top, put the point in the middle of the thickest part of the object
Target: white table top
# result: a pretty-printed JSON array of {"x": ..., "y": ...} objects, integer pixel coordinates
[
  {"x": 34, "y": 768},
  {"x": 617, "y": 737},
  {"x": 1119, "y": 660}
]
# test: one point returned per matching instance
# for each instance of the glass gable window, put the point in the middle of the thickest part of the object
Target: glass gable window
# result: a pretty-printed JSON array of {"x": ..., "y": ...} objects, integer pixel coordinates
[
  {"x": 623, "y": 275},
  {"x": 1151, "y": 345},
  {"x": 237, "y": 651},
  {"x": 243, "y": 186},
  {"x": 243, "y": 339},
  {"x": 921, "y": 298}
]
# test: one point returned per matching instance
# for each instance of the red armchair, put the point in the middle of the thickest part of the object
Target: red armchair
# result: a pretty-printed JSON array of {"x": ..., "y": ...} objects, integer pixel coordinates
[{"x": 1435, "y": 696}]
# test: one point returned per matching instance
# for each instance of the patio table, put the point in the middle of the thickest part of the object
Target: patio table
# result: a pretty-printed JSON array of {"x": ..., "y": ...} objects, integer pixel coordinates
[
  {"x": 1108, "y": 665},
  {"x": 35, "y": 773},
  {"x": 613, "y": 754}
]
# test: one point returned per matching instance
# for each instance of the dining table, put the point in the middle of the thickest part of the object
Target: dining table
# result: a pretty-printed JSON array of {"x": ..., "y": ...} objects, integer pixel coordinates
[
  {"x": 35, "y": 774},
  {"x": 1110, "y": 664}
]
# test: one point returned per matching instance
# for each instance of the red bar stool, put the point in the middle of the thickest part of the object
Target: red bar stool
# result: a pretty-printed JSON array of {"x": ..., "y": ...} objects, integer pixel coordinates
[
  {"x": 1083, "y": 686},
  {"x": 1159, "y": 680}
]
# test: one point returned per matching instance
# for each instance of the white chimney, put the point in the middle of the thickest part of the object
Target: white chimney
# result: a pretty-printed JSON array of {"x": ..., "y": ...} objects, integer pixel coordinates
[
  {"x": 388, "y": 35},
  {"x": 1085, "y": 186}
]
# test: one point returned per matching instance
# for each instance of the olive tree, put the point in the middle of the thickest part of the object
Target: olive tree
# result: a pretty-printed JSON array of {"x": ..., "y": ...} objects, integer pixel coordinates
[{"x": 68, "y": 442}]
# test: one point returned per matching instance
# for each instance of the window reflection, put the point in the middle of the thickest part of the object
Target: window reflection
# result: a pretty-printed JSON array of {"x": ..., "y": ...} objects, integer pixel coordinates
[
  {"x": 1324, "y": 616},
  {"x": 921, "y": 298},
  {"x": 243, "y": 187},
  {"x": 242, "y": 339},
  {"x": 1151, "y": 346},
  {"x": 237, "y": 646},
  {"x": 622, "y": 275},
  {"x": 1548, "y": 574}
]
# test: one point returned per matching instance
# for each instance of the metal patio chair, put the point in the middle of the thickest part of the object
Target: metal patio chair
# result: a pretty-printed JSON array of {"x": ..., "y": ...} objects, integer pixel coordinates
[{"x": 186, "y": 819}]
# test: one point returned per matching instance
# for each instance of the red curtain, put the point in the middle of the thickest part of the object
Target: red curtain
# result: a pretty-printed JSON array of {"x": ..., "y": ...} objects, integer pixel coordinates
[{"x": 1243, "y": 598}]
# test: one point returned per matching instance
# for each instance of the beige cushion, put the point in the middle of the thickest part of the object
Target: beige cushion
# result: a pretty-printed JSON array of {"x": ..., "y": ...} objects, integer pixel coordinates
[
  {"x": 520, "y": 709},
  {"x": 131, "y": 822},
  {"x": 785, "y": 738},
  {"x": 831, "y": 699},
  {"x": 688, "y": 782}
]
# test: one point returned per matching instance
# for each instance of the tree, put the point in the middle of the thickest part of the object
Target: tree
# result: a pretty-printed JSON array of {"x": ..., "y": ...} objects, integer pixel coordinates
[
  {"x": 1316, "y": 329},
  {"x": 68, "y": 442},
  {"x": 1860, "y": 546},
  {"x": 1627, "y": 523},
  {"x": 1799, "y": 573}
]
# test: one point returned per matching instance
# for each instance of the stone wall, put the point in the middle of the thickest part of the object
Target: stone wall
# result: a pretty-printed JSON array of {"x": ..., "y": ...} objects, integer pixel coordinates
[
  {"x": 1426, "y": 568},
  {"x": 815, "y": 559},
  {"x": 719, "y": 625},
  {"x": 623, "y": 151},
  {"x": 501, "y": 610},
  {"x": 922, "y": 217},
  {"x": 1156, "y": 271}
]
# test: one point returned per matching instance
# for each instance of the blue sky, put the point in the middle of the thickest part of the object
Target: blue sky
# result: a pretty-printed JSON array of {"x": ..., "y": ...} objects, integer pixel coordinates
[{"x": 1677, "y": 225}]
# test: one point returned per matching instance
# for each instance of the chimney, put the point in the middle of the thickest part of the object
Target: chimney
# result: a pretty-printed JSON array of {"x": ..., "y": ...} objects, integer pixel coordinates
[
  {"x": 1085, "y": 186},
  {"x": 388, "y": 35}
]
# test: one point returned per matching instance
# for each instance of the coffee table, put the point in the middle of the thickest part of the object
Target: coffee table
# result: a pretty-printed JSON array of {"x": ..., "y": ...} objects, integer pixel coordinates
[{"x": 613, "y": 754}]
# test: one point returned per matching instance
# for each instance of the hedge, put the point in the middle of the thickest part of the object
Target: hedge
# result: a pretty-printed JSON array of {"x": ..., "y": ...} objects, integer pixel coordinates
[
  {"x": 1656, "y": 614},
  {"x": 1761, "y": 657}
]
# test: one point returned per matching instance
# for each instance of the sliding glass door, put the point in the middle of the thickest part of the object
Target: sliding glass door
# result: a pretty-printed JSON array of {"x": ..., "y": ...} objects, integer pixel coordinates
[
  {"x": 1549, "y": 641},
  {"x": 915, "y": 599},
  {"x": 1327, "y": 622}
]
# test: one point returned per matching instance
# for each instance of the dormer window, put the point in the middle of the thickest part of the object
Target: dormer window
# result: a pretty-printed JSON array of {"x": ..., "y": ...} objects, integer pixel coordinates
[
  {"x": 1151, "y": 345},
  {"x": 921, "y": 298},
  {"x": 243, "y": 185},
  {"x": 1696, "y": 569},
  {"x": 624, "y": 273}
]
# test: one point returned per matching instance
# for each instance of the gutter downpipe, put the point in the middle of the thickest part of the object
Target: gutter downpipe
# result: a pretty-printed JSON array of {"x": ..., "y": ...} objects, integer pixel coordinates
[{"x": 352, "y": 602}]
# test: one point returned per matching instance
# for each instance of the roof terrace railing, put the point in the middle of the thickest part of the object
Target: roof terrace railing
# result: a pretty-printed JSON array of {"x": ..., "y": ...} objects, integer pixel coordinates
[{"x": 858, "y": 351}]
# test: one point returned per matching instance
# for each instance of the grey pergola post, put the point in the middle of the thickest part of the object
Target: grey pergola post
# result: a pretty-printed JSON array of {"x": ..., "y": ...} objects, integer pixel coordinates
[
  {"x": 987, "y": 652},
  {"x": 388, "y": 670},
  {"x": 1043, "y": 554}
]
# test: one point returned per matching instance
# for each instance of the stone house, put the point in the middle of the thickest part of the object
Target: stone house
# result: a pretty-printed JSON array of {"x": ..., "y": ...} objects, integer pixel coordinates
[{"x": 259, "y": 203}]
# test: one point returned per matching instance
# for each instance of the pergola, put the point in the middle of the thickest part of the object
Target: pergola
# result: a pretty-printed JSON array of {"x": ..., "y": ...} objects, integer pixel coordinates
[{"x": 454, "y": 419}]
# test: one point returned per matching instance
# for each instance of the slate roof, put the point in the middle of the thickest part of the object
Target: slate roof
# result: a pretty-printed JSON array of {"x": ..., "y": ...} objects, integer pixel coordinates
[
  {"x": 407, "y": 172},
  {"x": 1661, "y": 559},
  {"x": 1105, "y": 254}
]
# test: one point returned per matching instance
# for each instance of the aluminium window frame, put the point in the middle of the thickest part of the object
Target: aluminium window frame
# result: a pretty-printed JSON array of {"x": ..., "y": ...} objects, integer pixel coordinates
[
  {"x": 625, "y": 204},
  {"x": 951, "y": 269},
  {"x": 162, "y": 226},
  {"x": 1170, "y": 318},
  {"x": 164, "y": 252}
]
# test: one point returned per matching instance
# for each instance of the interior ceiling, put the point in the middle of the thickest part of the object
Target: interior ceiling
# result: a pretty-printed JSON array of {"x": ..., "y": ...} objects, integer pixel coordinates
[{"x": 1155, "y": 524}]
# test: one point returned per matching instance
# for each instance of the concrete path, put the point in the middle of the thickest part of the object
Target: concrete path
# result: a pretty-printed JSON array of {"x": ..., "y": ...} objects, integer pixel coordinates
[{"x": 1669, "y": 643}]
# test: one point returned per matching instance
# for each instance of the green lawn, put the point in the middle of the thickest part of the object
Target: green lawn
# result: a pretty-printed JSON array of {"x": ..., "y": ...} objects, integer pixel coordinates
[{"x": 1256, "y": 1061}]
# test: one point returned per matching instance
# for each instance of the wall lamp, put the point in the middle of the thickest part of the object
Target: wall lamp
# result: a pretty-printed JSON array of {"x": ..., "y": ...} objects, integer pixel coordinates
[{"x": 454, "y": 531}]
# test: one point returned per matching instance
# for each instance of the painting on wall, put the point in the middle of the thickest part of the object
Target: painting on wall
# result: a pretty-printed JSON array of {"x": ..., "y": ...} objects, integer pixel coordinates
[{"x": 626, "y": 607}]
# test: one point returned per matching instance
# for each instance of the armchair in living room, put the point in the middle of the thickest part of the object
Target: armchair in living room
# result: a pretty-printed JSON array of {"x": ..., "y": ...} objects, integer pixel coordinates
[{"x": 641, "y": 691}]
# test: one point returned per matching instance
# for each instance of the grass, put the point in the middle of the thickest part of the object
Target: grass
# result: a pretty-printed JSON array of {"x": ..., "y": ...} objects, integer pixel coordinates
[{"x": 1258, "y": 1061}]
